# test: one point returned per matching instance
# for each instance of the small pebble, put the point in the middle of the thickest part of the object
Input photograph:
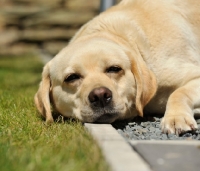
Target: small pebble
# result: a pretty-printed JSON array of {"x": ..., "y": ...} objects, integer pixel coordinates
[
  {"x": 132, "y": 123},
  {"x": 143, "y": 124},
  {"x": 198, "y": 121},
  {"x": 152, "y": 129}
]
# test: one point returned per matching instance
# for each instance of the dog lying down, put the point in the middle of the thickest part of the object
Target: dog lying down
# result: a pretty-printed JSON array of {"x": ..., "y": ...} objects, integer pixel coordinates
[{"x": 140, "y": 56}]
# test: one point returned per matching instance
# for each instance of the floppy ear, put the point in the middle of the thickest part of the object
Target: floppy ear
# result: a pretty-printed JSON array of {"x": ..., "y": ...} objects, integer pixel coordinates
[
  {"x": 42, "y": 99},
  {"x": 145, "y": 81}
]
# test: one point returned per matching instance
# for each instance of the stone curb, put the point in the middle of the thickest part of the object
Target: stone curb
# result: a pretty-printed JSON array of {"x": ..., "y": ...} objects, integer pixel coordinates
[{"x": 118, "y": 153}]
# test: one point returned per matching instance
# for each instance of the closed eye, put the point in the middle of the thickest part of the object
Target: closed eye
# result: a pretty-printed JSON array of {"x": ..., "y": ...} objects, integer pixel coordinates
[
  {"x": 72, "y": 77},
  {"x": 113, "y": 69}
]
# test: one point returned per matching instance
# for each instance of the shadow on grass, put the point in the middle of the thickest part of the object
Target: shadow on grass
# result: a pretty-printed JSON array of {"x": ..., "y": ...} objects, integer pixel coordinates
[{"x": 58, "y": 118}]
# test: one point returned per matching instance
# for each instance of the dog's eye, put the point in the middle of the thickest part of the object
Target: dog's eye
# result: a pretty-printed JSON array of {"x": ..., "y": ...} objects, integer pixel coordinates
[
  {"x": 72, "y": 77},
  {"x": 113, "y": 69}
]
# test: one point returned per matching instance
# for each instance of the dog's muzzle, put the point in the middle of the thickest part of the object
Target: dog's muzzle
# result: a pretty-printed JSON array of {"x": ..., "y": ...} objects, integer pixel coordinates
[{"x": 101, "y": 103}]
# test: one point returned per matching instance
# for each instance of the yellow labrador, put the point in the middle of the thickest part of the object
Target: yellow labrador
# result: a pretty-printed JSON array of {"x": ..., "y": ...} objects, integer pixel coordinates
[{"x": 140, "y": 56}]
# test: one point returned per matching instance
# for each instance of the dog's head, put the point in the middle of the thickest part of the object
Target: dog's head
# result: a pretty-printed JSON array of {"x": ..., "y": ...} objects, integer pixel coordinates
[{"x": 95, "y": 80}]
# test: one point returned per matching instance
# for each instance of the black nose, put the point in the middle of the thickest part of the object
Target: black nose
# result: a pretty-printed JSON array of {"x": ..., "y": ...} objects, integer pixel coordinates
[{"x": 100, "y": 97}]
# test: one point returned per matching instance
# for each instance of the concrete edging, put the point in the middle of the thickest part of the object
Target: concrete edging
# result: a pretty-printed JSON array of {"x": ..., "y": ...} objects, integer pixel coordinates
[{"x": 118, "y": 153}]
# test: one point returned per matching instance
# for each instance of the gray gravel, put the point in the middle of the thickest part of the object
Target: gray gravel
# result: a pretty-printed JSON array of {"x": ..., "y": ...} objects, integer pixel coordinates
[{"x": 149, "y": 129}]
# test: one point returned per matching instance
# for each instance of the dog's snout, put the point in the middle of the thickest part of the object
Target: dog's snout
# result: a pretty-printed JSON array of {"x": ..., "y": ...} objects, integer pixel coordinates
[{"x": 100, "y": 97}]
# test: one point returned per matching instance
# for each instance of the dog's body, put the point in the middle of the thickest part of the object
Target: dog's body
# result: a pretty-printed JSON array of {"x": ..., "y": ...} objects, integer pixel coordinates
[{"x": 139, "y": 56}]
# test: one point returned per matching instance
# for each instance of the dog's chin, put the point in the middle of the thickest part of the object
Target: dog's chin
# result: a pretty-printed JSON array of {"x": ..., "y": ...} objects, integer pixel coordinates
[{"x": 107, "y": 118}]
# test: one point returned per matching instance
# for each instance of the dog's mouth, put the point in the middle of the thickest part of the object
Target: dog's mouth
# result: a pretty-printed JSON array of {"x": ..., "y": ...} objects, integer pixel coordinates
[{"x": 100, "y": 115}]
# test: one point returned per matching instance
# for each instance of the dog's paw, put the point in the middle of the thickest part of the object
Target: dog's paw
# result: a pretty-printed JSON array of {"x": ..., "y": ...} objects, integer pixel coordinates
[{"x": 177, "y": 124}]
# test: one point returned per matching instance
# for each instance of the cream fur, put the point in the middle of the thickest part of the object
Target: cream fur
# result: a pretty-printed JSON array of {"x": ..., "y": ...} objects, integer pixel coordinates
[{"x": 157, "y": 45}]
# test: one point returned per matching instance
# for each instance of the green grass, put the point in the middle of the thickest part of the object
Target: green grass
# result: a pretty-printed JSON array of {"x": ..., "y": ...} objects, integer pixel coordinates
[{"x": 26, "y": 142}]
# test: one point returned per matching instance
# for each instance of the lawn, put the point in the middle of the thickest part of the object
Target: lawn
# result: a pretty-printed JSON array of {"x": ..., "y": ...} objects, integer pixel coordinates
[{"x": 26, "y": 142}]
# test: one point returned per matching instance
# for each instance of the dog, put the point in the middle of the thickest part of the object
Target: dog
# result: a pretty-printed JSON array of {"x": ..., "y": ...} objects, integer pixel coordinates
[{"x": 138, "y": 57}]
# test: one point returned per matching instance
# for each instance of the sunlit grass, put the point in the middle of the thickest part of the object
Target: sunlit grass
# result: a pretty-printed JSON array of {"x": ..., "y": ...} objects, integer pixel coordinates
[{"x": 26, "y": 142}]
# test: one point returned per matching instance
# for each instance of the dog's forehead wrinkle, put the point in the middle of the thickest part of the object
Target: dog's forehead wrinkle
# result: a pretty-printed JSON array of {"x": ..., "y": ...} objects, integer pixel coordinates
[{"x": 99, "y": 61}]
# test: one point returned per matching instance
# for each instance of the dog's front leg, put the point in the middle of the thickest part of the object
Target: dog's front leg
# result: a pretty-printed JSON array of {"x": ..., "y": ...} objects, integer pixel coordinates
[{"x": 179, "y": 116}]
